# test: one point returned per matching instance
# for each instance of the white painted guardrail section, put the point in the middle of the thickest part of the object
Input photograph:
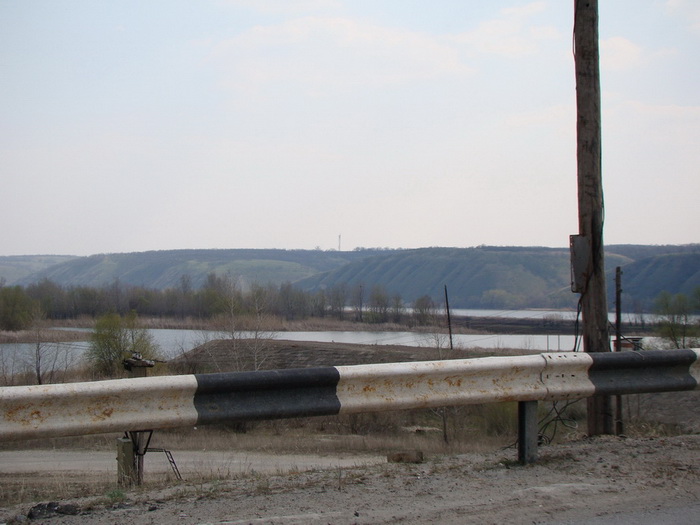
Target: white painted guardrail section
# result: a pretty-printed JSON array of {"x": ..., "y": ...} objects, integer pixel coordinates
[
  {"x": 463, "y": 382},
  {"x": 115, "y": 405}
]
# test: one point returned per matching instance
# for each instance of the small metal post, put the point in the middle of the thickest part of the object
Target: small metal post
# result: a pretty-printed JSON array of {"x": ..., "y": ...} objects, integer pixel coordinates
[
  {"x": 527, "y": 432},
  {"x": 141, "y": 440}
]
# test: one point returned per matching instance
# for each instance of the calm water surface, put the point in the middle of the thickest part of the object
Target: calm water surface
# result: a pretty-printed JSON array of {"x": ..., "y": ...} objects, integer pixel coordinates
[
  {"x": 18, "y": 357},
  {"x": 14, "y": 357}
]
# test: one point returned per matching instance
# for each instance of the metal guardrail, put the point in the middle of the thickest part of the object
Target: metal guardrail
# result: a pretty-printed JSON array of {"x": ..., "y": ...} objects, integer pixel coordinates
[{"x": 175, "y": 401}]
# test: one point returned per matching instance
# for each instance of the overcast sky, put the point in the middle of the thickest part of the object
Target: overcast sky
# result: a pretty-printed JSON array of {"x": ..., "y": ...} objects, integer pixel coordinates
[{"x": 146, "y": 125}]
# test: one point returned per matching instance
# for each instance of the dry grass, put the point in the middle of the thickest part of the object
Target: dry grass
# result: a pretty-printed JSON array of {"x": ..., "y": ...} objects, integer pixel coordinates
[
  {"x": 470, "y": 429},
  {"x": 89, "y": 443},
  {"x": 303, "y": 440},
  {"x": 637, "y": 428},
  {"x": 48, "y": 486},
  {"x": 47, "y": 334},
  {"x": 268, "y": 323},
  {"x": 315, "y": 436}
]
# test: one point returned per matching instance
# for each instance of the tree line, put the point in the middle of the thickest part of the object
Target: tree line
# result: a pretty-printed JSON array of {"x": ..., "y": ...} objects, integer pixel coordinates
[
  {"x": 220, "y": 295},
  {"x": 118, "y": 334},
  {"x": 223, "y": 296}
]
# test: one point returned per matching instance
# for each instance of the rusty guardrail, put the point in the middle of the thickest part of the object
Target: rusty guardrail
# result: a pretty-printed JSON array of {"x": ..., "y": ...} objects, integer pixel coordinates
[{"x": 174, "y": 401}]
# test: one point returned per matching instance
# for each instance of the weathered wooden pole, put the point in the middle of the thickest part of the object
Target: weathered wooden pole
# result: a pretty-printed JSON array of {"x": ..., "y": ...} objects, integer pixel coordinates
[
  {"x": 594, "y": 305},
  {"x": 449, "y": 318}
]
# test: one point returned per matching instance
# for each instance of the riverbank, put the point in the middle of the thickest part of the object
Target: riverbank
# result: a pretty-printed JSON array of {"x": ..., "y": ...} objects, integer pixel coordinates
[
  {"x": 59, "y": 330},
  {"x": 44, "y": 335}
]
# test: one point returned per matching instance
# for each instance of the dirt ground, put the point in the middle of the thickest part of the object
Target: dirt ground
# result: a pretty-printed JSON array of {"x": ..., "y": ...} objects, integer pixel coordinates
[{"x": 599, "y": 480}]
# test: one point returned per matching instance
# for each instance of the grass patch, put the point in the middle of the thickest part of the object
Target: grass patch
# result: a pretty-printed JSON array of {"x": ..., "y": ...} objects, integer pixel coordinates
[
  {"x": 46, "y": 486},
  {"x": 116, "y": 495}
]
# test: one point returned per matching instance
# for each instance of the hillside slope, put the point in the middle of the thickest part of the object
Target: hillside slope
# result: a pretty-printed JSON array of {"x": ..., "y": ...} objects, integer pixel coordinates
[
  {"x": 165, "y": 269},
  {"x": 15, "y": 268},
  {"x": 643, "y": 280},
  {"x": 484, "y": 277},
  {"x": 481, "y": 277}
]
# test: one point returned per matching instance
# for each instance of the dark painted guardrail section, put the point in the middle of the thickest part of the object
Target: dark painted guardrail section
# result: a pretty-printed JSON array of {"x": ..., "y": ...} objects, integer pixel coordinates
[
  {"x": 645, "y": 371},
  {"x": 266, "y": 394}
]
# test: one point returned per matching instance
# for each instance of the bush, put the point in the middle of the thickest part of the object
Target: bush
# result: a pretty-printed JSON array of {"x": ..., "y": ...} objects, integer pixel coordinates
[
  {"x": 15, "y": 309},
  {"x": 115, "y": 339}
]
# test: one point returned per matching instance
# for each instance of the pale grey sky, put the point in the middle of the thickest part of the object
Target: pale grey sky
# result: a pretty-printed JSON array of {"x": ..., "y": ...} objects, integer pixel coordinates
[{"x": 132, "y": 126}]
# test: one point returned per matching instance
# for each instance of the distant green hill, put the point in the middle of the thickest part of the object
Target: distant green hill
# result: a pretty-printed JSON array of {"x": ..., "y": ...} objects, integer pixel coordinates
[
  {"x": 165, "y": 269},
  {"x": 514, "y": 277},
  {"x": 15, "y": 268},
  {"x": 488, "y": 277},
  {"x": 481, "y": 277},
  {"x": 636, "y": 252},
  {"x": 643, "y": 280}
]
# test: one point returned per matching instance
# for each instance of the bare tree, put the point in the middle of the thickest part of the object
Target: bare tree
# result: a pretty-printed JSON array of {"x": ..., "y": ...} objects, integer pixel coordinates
[
  {"x": 676, "y": 324},
  {"x": 397, "y": 308},
  {"x": 40, "y": 349},
  {"x": 259, "y": 342},
  {"x": 9, "y": 366},
  {"x": 379, "y": 304},
  {"x": 244, "y": 325},
  {"x": 441, "y": 343},
  {"x": 337, "y": 296},
  {"x": 424, "y": 310},
  {"x": 357, "y": 300}
]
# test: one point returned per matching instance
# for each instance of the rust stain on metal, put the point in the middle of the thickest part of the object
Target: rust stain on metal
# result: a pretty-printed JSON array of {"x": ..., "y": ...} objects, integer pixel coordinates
[
  {"x": 18, "y": 414},
  {"x": 103, "y": 408},
  {"x": 454, "y": 381},
  {"x": 11, "y": 414}
]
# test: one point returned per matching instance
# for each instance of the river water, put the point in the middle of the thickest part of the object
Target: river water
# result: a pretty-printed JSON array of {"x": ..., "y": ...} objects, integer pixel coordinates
[
  {"x": 18, "y": 357},
  {"x": 15, "y": 357}
]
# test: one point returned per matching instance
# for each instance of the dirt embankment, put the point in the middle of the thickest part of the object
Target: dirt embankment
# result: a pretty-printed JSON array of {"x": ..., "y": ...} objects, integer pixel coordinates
[{"x": 226, "y": 355}]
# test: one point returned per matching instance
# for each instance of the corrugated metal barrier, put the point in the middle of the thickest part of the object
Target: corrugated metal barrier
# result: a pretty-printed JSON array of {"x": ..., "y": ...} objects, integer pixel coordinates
[{"x": 176, "y": 401}]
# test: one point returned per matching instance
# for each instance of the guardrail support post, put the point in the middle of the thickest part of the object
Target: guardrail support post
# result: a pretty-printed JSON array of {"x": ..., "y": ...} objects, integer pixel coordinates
[
  {"x": 527, "y": 432},
  {"x": 126, "y": 471}
]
